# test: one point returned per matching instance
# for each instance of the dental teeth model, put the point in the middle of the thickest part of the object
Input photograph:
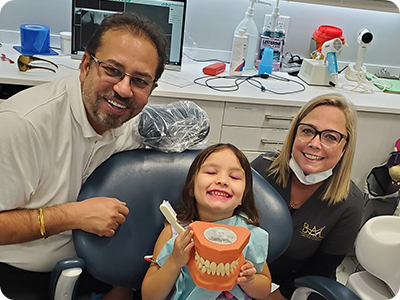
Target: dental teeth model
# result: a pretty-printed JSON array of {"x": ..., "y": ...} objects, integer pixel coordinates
[
  {"x": 212, "y": 268},
  {"x": 216, "y": 261}
]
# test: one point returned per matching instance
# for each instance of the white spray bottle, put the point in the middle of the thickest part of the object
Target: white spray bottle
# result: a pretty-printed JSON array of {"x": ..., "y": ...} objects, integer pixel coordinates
[
  {"x": 252, "y": 32},
  {"x": 272, "y": 37},
  {"x": 239, "y": 51}
]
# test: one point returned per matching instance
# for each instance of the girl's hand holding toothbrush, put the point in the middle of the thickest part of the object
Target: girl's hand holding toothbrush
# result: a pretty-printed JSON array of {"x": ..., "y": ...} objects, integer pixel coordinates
[{"x": 182, "y": 247}]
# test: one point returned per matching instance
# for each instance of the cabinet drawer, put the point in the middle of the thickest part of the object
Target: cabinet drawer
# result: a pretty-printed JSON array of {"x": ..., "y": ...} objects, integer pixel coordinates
[
  {"x": 254, "y": 139},
  {"x": 254, "y": 115}
]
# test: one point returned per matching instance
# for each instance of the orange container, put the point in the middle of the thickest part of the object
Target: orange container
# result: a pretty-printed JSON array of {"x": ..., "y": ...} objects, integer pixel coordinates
[
  {"x": 217, "y": 258},
  {"x": 326, "y": 33}
]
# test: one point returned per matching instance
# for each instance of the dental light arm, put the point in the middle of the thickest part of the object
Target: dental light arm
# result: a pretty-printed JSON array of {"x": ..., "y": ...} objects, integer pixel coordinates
[
  {"x": 360, "y": 58},
  {"x": 329, "y": 50}
]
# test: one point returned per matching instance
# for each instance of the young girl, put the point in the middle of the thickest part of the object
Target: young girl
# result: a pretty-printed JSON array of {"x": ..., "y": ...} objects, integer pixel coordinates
[{"x": 218, "y": 189}]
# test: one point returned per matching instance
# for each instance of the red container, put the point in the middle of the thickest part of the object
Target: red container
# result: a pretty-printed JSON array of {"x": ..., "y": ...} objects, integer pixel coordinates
[{"x": 326, "y": 33}]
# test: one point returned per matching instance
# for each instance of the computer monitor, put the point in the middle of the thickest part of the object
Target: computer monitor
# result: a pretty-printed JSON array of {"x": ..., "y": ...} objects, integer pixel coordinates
[{"x": 169, "y": 14}]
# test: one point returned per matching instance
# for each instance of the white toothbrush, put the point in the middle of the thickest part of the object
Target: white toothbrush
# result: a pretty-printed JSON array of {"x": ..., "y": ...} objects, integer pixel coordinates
[{"x": 170, "y": 214}]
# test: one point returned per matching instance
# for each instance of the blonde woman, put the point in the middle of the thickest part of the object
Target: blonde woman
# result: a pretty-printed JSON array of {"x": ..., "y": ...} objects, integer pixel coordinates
[{"x": 312, "y": 174}]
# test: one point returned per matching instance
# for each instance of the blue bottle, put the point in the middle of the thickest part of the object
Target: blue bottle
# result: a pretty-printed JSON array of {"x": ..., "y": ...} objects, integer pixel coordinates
[{"x": 266, "y": 63}]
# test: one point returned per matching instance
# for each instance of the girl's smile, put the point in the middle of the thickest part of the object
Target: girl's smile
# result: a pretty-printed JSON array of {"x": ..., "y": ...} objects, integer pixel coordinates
[{"x": 219, "y": 194}]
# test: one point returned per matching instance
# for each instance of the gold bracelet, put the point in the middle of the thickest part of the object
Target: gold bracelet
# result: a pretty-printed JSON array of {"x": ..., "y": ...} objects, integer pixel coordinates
[{"x": 41, "y": 224}]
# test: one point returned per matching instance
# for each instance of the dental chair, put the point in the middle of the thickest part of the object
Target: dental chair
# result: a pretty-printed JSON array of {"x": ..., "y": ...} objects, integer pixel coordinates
[
  {"x": 377, "y": 251},
  {"x": 143, "y": 179}
]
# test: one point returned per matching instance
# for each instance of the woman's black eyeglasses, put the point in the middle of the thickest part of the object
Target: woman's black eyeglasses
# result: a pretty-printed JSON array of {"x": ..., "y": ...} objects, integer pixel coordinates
[{"x": 329, "y": 138}]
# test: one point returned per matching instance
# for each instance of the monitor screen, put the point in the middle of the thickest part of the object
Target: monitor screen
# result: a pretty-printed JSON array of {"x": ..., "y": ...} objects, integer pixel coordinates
[{"x": 169, "y": 14}]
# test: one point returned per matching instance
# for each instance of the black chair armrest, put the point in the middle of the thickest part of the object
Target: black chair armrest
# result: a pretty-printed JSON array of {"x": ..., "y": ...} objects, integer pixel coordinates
[
  {"x": 63, "y": 278},
  {"x": 326, "y": 287}
]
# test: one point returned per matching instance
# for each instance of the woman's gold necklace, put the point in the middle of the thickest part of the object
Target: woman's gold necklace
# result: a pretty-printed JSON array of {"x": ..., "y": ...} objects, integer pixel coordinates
[{"x": 296, "y": 205}]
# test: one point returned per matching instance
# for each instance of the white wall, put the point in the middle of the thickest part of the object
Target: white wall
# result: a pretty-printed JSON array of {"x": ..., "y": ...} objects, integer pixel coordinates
[
  {"x": 55, "y": 14},
  {"x": 210, "y": 23}
]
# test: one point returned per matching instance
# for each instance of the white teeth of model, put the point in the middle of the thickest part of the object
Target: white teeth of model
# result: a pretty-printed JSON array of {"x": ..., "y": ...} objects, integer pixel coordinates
[
  {"x": 227, "y": 269},
  {"x": 233, "y": 265},
  {"x": 213, "y": 267},
  {"x": 200, "y": 262},
  {"x": 220, "y": 269},
  {"x": 207, "y": 263}
]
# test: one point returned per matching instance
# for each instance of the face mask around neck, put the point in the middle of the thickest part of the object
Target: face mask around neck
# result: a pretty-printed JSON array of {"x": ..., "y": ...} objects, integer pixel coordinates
[{"x": 310, "y": 178}]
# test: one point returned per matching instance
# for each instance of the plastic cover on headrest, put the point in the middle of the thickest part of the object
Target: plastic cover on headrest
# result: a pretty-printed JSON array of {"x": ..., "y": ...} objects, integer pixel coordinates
[{"x": 174, "y": 127}]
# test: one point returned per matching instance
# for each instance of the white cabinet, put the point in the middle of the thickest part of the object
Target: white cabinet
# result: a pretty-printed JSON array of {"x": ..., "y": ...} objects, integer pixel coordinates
[
  {"x": 254, "y": 139},
  {"x": 257, "y": 115},
  {"x": 256, "y": 128}
]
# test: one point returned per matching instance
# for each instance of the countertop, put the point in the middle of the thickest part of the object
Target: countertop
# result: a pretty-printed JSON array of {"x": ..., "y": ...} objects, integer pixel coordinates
[{"x": 376, "y": 101}]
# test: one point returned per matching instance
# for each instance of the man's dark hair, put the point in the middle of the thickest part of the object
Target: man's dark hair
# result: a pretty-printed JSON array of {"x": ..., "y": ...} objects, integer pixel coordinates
[{"x": 136, "y": 25}]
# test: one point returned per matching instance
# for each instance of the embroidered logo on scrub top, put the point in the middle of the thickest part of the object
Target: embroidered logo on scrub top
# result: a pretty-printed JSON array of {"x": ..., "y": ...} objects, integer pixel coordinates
[{"x": 312, "y": 233}]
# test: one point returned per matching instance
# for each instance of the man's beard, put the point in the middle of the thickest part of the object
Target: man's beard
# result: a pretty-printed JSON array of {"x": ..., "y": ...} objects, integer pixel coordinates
[{"x": 108, "y": 120}]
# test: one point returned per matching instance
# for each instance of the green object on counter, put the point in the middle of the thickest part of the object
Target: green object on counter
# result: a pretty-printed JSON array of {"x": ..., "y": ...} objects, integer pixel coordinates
[{"x": 394, "y": 88}]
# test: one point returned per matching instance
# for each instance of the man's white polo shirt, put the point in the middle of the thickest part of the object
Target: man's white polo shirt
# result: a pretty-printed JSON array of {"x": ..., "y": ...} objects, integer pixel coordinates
[{"x": 47, "y": 150}]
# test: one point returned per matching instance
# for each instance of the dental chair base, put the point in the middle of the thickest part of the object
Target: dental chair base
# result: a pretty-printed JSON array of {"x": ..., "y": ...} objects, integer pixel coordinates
[
  {"x": 326, "y": 287},
  {"x": 377, "y": 251},
  {"x": 368, "y": 287}
]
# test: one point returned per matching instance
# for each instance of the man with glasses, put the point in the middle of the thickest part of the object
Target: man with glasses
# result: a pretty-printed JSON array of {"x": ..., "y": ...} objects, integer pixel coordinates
[
  {"x": 54, "y": 135},
  {"x": 312, "y": 174}
]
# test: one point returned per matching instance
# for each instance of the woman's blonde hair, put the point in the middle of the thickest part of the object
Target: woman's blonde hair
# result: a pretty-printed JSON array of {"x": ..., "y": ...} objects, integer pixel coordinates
[{"x": 338, "y": 186}]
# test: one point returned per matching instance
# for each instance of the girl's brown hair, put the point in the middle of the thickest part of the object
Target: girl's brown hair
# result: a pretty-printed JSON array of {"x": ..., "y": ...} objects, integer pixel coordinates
[{"x": 187, "y": 210}]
